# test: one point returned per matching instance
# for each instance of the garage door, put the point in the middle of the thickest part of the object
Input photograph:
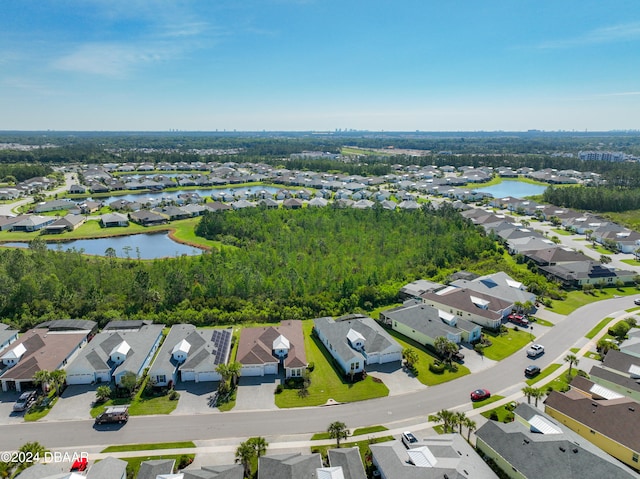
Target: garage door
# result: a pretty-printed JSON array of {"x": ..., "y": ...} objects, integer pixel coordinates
[
  {"x": 208, "y": 376},
  {"x": 188, "y": 375},
  {"x": 79, "y": 378},
  {"x": 252, "y": 371},
  {"x": 271, "y": 369},
  {"x": 390, "y": 357}
]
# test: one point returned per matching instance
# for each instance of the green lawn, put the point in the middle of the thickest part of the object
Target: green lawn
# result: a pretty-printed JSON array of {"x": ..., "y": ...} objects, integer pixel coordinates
[
  {"x": 326, "y": 382},
  {"x": 358, "y": 432},
  {"x": 543, "y": 322},
  {"x": 592, "y": 355},
  {"x": 505, "y": 411},
  {"x": 38, "y": 412},
  {"x": 505, "y": 345},
  {"x": 562, "y": 232},
  {"x": 422, "y": 372},
  {"x": 362, "y": 445},
  {"x": 599, "y": 249},
  {"x": 149, "y": 447},
  {"x": 543, "y": 374},
  {"x": 477, "y": 404},
  {"x": 140, "y": 404},
  {"x": 574, "y": 350},
  {"x": 561, "y": 383},
  {"x": 576, "y": 299},
  {"x": 631, "y": 262},
  {"x": 592, "y": 334}
]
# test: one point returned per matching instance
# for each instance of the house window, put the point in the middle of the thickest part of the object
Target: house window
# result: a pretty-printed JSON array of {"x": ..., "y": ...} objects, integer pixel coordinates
[
  {"x": 161, "y": 378},
  {"x": 358, "y": 365},
  {"x": 634, "y": 458}
]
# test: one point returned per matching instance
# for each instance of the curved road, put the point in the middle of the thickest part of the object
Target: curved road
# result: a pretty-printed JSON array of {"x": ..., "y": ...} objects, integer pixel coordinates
[{"x": 505, "y": 377}]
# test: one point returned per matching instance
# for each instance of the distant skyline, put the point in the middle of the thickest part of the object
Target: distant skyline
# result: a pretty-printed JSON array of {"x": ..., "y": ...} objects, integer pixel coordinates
[{"x": 322, "y": 65}]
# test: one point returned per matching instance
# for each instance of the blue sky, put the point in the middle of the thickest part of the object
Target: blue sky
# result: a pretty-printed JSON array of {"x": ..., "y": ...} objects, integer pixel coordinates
[{"x": 398, "y": 65}]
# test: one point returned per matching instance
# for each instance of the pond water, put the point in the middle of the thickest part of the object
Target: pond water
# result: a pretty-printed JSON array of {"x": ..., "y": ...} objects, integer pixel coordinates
[
  {"x": 148, "y": 197},
  {"x": 513, "y": 188},
  {"x": 144, "y": 246}
]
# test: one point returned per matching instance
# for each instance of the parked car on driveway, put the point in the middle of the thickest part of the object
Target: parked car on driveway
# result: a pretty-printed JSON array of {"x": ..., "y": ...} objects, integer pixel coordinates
[
  {"x": 408, "y": 439},
  {"x": 636, "y": 301},
  {"x": 519, "y": 319},
  {"x": 535, "y": 350},
  {"x": 531, "y": 371},
  {"x": 480, "y": 395},
  {"x": 25, "y": 401}
]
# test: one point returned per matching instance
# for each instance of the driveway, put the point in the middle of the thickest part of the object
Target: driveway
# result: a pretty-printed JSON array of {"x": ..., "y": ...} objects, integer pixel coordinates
[
  {"x": 474, "y": 361},
  {"x": 256, "y": 393},
  {"x": 7, "y": 416},
  {"x": 397, "y": 379},
  {"x": 195, "y": 398},
  {"x": 74, "y": 403}
]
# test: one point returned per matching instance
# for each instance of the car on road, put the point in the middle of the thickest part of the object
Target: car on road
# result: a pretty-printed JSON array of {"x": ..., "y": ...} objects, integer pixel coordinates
[
  {"x": 25, "y": 401},
  {"x": 535, "y": 350},
  {"x": 480, "y": 395},
  {"x": 113, "y": 414},
  {"x": 531, "y": 371},
  {"x": 636, "y": 301},
  {"x": 519, "y": 319},
  {"x": 408, "y": 439}
]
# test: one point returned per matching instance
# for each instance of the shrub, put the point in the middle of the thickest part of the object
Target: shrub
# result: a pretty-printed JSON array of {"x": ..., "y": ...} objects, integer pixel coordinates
[
  {"x": 436, "y": 368},
  {"x": 184, "y": 461},
  {"x": 174, "y": 395},
  {"x": 493, "y": 416},
  {"x": 279, "y": 388},
  {"x": 311, "y": 367},
  {"x": 509, "y": 417}
]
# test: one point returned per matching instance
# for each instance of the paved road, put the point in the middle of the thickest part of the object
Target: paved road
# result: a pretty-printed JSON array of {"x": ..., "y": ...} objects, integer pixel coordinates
[
  {"x": 504, "y": 378},
  {"x": 7, "y": 209}
]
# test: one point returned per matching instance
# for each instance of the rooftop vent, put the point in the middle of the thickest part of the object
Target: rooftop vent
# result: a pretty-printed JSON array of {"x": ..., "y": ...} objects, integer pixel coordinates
[
  {"x": 575, "y": 450},
  {"x": 562, "y": 449}
]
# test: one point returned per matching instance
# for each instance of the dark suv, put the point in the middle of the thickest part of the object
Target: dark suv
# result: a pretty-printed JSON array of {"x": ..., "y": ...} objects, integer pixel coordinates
[{"x": 531, "y": 371}]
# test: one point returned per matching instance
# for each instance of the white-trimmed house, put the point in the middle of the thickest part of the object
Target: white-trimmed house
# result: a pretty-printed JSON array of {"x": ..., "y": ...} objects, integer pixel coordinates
[
  {"x": 356, "y": 342},
  {"x": 191, "y": 354}
]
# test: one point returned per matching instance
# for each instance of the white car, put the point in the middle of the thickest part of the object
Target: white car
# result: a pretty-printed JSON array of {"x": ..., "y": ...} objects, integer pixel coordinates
[
  {"x": 535, "y": 350},
  {"x": 408, "y": 439}
]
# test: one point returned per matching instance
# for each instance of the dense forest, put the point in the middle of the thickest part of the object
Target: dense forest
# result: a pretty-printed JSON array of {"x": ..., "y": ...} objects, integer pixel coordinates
[
  {"x": 602, "y": 200},
  {"x": 273, "y": 265}
]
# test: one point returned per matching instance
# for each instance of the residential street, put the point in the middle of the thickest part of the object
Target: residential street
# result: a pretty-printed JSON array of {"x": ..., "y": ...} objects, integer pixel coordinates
[{"x": 401, "y": 411}]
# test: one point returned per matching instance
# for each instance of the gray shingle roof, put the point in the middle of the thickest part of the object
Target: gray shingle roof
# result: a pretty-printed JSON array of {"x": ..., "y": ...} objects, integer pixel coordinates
[
  {"x": 349, "y": 460},
  {"x": 535, "y": 455},
  {"x": 151, "y": 469},
  {"x": 233, "y": 471},
  {"x": 289, "y": 466},
  {"x": 108, "y": 468}
]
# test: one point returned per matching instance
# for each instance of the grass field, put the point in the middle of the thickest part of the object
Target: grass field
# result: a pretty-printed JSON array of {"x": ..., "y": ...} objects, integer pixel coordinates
[
  {"x": 562, "y": 232},
  {"x": 149, "y": 447},
  {"x": 422, "y": 372},
  {"x": 477, "y": 404},
  {"x": 576, "y": 299},
  {"x": 597, "y": 328},
  {"x": 505, "y": 345},
  {"x": 326, "y": 382},
  {"x": 358, "y": 432},
  {"x": 140, "y": 404}
]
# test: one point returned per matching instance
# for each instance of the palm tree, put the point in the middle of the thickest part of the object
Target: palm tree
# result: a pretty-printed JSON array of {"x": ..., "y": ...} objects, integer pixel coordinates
[
  {"x": 235, "y": 369},
  {"x": 572, "y": 360},
  {"x": 445, "y": 348},
  {"x": 58, "y": 377},
  {"x": 471, "y": 425},
  {"x": 460, "y": 419},
  {"x": 529, "y": 393},
  {"x": 103, "y": 393},
  {"x": 537, "y": 394},
  {"x": 411, "y": 357},
  {"x": 244, "y": 455},
  {"x": 259, "y": 445},
  {"x": 447, "y": 419},
  {"x": 42, "y": 378},
  {"x": 32, "y": 449},
  {"x": 338, "y": 430}
]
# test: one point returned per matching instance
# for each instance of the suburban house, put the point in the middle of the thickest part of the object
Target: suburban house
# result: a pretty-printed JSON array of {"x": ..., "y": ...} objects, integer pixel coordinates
[
  {"x": 631, "y": 345},
  {"x": 480, "y": 308},
  {"x": 36, "y": 350},
  {"x": 418, "y": 287},
  {"x": 603, "y": 417},
  {"x": 499, "y": 285},
  {"x": 578, "y": 273},
  {"x": 619, "y": 372},
  {"x": 156, "y": 468},
  {"x": 424, "y": 324},
  {"x": 147, "y": 218},
  {"x": 113, "y": 219},
  {"x": 446, "y": 455},
  {"x": 66, "y": 223},
  {"x": 357, "y": 342},
  {"x": 537, "y": 446},
  {"x": 54, "y": 205},
  {"x": 31, "y": 223},
  {"x": 230, "y": 471},
  {"x": 267, "y": 350},
  {"x": 7, "y": 336},
  {"x": 112, "y": 353},
  {"x": 289, "y": 466},
  {"x": 191, "y": 354},
  {"x": 346, "y": 461}
]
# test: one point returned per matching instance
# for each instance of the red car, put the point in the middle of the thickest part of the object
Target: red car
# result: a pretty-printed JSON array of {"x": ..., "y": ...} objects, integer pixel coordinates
[
  {"x": 480, "y": 395},
  {"x": 518, "y": 319},
  {"x": 79, "y": 465}
]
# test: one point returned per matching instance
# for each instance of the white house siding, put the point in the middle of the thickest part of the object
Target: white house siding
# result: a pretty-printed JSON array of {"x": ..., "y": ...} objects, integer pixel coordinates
[
  {"x": 188, "y": 375},
  {"x": 80, "y": 378},
  {"x": 252, "y": 370},
  {"x": 207, "y": 376},
  {"x": 390, "y": 357}
]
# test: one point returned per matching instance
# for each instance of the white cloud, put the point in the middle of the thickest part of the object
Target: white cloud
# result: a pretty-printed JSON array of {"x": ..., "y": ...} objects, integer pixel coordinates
[
  {"x": 113, "y": 59},
  {"x": 611, "y": 34}
]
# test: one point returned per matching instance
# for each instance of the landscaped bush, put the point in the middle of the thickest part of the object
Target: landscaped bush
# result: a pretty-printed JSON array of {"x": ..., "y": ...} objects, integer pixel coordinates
[
  {"x": 311, "y": 367},
  {"x": 436, "y": 368},
  {"x": 494, "y": 416},
  {"x": 279, "y": 388},
  {"x": 174, "y": 395}
]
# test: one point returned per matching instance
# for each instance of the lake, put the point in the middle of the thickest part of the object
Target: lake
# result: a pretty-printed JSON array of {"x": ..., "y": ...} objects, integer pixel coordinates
[
  {"x": 513, "y": 188},
  {"x": 145, "y": 245}
]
